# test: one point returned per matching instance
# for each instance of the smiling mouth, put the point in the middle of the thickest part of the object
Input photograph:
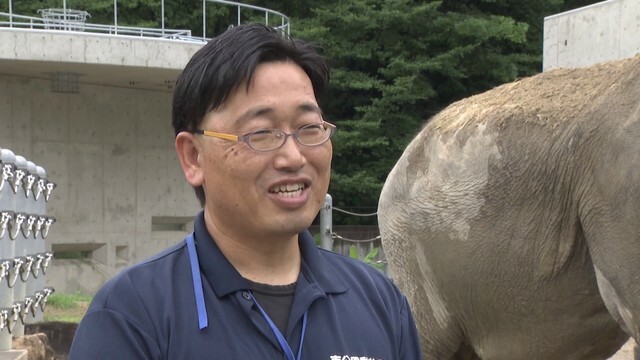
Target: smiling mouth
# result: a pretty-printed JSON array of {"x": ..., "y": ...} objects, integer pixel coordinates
[{"x": 288, "y": 190}]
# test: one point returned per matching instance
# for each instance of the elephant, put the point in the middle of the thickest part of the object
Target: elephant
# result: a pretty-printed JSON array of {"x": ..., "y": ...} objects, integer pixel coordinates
[{"x": 512, "y": 219}]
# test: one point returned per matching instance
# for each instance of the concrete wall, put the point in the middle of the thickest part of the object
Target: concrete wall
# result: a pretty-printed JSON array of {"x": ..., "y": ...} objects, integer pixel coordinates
[
  {"x": 121, "y": 195},
  {"x": 601, "y": 32},
  {"x": 93, "y": 48}
]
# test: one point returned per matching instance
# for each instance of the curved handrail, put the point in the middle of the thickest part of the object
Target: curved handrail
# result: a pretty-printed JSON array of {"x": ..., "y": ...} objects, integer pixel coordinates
[
  {"x": 73, "y": 20},
  {"x": 285, "y": 23},
  {"x": 31, "y": 22}
]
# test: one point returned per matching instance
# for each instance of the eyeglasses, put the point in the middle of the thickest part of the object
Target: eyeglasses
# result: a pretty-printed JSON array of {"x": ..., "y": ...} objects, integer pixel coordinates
[{"x": 271, "y": 139}]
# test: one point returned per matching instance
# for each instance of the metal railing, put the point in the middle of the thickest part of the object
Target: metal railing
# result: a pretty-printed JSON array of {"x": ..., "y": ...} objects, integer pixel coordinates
[
  {"x": 285, "y": 23},
  {"x": 362, "y": 247},
  {"x": 65, "y": 19},
  {"x": 72, "y": 24}
]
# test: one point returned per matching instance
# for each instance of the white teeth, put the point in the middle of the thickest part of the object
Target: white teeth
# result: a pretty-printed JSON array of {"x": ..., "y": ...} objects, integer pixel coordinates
[
  {"x": 289, "y": 190},
  {"x": 293, "y": 187}
]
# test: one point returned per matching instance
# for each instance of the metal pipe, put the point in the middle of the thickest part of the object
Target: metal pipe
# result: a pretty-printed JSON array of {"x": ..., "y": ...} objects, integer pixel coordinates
[
  {"x": 10, "y": 13},
  {"x": 285, "y": 21},
  {"x": 326, "y": 227},
  {"x": 115, "y": 16},
  {"x": 204, "y": 19}
]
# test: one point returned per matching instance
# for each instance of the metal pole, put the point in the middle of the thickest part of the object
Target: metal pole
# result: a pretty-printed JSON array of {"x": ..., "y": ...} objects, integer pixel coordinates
[
  {"x": 204, "y": 19},
  {"x": 10, "y": 13},
  {"x": 64, "y": 11},
  {"x": 7, "y": 246},
  {"x": 162, "y": 11},
  {"x": 326, "y": 241},
  {"x": 115, "y": 16},
  {"x": 22, "y": 206},
  {"x": 238, "y": 14}
]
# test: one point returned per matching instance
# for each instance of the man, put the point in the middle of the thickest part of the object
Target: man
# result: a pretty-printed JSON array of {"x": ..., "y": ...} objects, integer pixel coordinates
[{"x": 250, "y": 283}]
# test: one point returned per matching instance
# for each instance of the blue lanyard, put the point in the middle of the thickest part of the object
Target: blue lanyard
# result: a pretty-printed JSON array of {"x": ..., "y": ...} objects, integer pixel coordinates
[
  {"x": 286, "y": 349},
  {"x": 203, "y": 322}
]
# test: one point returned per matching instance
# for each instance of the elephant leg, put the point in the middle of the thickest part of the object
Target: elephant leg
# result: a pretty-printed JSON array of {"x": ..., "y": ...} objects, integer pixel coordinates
[
  {"x": 609, "y": 213},
  {"x": 615, "y": 305},
  {"x": 616, "y": 259},
  {"x": 612, "y": 231},
  {"x": 445, "y": 344},
  {"x": 440, "y": 337}
]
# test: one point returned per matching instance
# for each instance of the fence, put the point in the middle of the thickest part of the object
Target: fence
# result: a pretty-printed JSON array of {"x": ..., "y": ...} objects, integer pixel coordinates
[
  {"x": 65, "y": 19},
  {"x": 284, "y": 26},
  {"x": 362, "y": 242},
  {"x": 54, "y": 19},
  {"x": 24, "y": 225}
]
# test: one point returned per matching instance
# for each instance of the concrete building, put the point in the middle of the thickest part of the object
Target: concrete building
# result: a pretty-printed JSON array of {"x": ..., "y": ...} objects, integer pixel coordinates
[
  {"x": 94, "y": 109},
  {"x": 602, "y": 32}
]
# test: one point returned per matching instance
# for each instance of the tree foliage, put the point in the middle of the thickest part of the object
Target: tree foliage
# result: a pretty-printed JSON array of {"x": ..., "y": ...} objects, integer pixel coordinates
[{"x": 395, "y": 64}]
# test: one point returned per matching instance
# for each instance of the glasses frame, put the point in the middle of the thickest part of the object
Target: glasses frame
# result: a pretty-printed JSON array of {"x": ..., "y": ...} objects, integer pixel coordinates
[{"x": 245, "y": 138}]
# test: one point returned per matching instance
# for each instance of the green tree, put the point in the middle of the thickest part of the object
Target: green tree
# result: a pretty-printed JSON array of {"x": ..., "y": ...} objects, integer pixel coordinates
[{"x": 396, "y": 63}]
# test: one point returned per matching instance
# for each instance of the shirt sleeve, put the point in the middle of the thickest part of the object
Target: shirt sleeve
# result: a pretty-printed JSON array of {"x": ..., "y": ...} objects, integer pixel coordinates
[
  {"x": 107, "y": 334},
  {"x": 410, "y": 348}
]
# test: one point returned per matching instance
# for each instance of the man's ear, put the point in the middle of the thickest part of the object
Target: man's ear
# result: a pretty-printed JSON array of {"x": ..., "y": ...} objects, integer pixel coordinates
[{"x": 189, "y": 154}]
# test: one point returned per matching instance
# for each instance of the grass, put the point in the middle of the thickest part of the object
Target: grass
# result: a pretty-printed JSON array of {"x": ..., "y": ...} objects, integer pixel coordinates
[{"x": 66, "y": 307}]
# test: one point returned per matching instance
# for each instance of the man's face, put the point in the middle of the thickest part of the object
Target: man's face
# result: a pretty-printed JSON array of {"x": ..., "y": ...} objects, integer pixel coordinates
[{"x": 264, "y": 194}]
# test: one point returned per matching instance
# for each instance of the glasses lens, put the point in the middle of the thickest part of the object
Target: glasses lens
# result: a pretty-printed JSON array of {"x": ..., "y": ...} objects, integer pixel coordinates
[
  {"x": 314, "y": 134},
  {"x": 265, "y": 140},
  {"x": 271, "y": 139}
]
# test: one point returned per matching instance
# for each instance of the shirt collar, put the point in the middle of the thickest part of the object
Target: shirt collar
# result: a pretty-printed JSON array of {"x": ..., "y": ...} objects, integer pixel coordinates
[{"x": 225, "y": 279}]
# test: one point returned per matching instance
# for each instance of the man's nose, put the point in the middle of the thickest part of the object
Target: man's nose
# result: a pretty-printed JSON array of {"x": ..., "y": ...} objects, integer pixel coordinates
[{"x": 290, "y": 155}]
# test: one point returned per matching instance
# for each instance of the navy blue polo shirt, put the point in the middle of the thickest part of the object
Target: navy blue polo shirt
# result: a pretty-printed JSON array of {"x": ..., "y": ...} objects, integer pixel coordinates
[{"x": 148, "y": 311}]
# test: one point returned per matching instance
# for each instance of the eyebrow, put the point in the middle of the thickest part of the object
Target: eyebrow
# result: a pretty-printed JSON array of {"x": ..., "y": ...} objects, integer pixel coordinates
[{"x": 265, "y": 110}]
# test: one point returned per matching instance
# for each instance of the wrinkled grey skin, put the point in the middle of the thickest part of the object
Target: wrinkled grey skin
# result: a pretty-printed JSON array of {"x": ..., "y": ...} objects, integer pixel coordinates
[{"x": 512, "y": 220}]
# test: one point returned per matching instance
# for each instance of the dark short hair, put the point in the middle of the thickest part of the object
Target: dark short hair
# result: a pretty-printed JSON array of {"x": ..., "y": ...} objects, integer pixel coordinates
[{"x": 229, "y": 60}]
